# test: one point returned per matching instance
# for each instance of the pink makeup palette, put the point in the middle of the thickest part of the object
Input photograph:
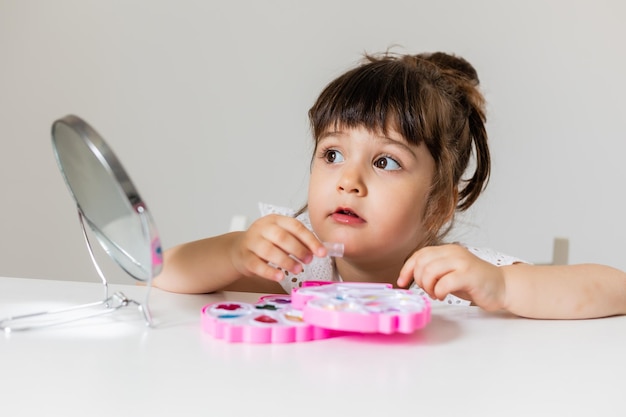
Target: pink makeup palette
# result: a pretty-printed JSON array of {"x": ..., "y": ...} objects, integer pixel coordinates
[{"x": 318, "y": 310}]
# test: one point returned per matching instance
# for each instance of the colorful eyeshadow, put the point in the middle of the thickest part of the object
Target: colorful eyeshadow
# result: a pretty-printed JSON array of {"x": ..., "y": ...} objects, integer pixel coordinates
[{"x": 265, "y": 319}]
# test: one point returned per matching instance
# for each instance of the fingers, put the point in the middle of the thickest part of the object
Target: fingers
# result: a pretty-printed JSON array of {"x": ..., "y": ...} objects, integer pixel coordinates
[
  {"x": 452, "y": 269},
  {"x": 406, "y": 273},
  {"x": 430, "y": 273},
  {"x": 275, "y": 243},
  {"x": 293, "y": 238},
  {"x": 434, "y": 269},
  {"x": 254, "y": 266},
  {"x": 448, "y": 283}
]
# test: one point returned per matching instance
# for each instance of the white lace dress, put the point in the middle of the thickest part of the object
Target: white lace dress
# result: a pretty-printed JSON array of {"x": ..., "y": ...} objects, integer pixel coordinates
[{"x": 323, "y": 269}]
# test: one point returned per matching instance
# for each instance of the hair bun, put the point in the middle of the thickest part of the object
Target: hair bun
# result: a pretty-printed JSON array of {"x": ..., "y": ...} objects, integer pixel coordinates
[{"x": 452, "y": 62}]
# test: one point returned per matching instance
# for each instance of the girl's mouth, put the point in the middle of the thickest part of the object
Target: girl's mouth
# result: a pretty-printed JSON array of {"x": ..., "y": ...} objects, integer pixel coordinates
[{"x": 346, "y": 216}]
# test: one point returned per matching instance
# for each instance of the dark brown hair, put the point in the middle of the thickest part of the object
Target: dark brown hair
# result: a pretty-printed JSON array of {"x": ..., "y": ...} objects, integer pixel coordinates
[{"x": 428, "y": 98}]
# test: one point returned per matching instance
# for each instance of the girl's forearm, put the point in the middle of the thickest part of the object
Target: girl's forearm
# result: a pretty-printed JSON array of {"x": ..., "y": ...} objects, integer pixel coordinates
[
  {"x": 564, "y": 291},
  {"x": 201, "y": 266}
]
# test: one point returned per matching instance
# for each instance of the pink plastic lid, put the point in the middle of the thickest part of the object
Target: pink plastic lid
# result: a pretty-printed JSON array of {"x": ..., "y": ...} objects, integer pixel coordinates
[{"x": 362, "y": 307}]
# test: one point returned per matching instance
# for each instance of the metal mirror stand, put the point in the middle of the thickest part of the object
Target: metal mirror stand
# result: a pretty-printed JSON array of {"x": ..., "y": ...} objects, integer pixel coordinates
[{"x": 109, "y": 304}]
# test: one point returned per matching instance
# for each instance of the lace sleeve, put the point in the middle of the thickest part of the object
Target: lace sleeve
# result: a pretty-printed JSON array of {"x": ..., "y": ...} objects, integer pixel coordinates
[
  {"x": 266, "y": 209},
  {"x": 494, "y": 257}
]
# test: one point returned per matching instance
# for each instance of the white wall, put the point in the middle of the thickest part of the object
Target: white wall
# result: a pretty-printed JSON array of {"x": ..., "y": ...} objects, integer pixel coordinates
[{"x": 205, "y": 104}]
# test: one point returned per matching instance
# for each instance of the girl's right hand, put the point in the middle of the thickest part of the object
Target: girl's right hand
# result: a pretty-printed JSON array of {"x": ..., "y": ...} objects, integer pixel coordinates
[{"x": 270, "y": 245}]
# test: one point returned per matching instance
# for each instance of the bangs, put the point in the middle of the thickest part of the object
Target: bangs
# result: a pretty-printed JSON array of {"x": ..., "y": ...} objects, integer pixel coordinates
[{"x": 379, "y": 96}]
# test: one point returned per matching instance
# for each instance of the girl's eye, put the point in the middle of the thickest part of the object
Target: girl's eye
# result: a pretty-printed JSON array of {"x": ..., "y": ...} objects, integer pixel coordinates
[
  {"x": 333, "y": 156},
  {"x": 387, "y": 163}
]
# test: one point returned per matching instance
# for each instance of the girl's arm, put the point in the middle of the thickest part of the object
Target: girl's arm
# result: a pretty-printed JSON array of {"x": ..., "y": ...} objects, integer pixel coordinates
[
  {"x": 545, "y": 292},
  {"x": 241, "y": 261},
  {"x": 204, "y": 266},
  {"x": 564, "y": 291}
]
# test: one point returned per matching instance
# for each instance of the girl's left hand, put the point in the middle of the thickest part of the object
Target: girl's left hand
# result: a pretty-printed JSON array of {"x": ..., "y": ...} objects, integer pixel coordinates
[{"x": 452, "y": 269}]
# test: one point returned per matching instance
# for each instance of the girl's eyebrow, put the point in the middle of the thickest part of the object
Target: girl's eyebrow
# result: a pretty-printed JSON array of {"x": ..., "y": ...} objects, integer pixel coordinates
[
  {"x": 397, "y": 143},
  {"x": 400, "y": 143},
  {"x": 330, "y": 133},
  {"x": 335, "y": 134}
]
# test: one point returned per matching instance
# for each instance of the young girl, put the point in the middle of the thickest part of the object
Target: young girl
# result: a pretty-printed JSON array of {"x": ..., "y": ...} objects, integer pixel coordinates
[{"x": 394, "y": 138}]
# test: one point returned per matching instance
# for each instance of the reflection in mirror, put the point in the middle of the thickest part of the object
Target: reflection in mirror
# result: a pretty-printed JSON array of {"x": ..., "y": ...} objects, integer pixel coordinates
[{"x": 110, "y": 207}]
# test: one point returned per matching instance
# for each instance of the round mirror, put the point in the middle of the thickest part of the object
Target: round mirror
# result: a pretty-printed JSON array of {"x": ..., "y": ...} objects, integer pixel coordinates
[{"x": 107, "y": 199}]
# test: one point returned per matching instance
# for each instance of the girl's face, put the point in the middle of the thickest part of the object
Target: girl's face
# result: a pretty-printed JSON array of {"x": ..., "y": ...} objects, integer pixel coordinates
[{"x": 369, "y": 191}]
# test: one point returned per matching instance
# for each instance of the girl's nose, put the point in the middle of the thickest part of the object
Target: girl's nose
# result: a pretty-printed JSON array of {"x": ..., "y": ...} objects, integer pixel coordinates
[{"x": 351, "y": 182}]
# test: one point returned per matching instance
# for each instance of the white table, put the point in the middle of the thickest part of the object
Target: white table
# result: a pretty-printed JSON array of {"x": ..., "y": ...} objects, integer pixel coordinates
[{"x": 465, "y": 361}]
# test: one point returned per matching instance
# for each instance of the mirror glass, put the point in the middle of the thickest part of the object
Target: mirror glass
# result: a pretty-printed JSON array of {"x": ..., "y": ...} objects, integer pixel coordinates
[{"x": 106, "y": 198}]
